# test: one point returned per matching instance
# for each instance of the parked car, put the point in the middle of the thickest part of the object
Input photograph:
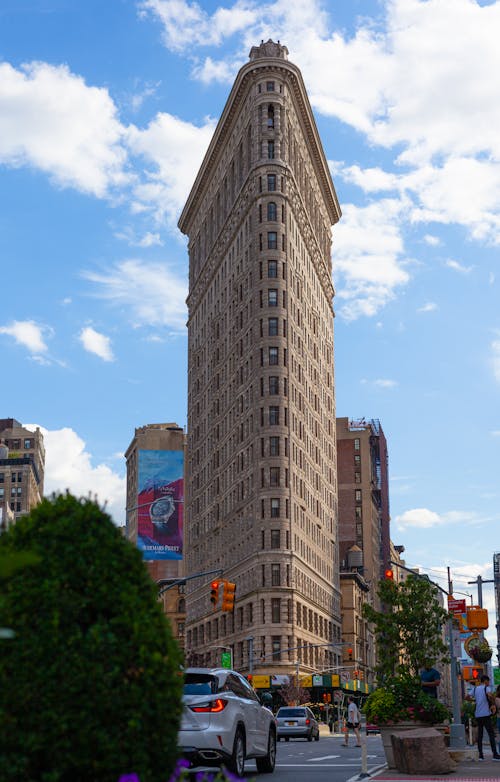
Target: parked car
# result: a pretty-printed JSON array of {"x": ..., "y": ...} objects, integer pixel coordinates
[
  {"x": 224, "y": 723},
  {"x": 297, "y": 722},
  {"x": 372, "y": 729}
]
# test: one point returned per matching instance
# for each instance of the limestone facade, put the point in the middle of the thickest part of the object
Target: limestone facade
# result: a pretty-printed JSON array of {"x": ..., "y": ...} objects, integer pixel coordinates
[
  {"x": 22, "y": 469},
  {"x": 261, "y": 491}
]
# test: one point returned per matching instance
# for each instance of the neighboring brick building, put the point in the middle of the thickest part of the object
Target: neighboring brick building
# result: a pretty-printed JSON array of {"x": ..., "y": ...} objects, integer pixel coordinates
[
  {"x": 164, "y": 439},
  {"x": 22, "y": 467},
  {"x": 262, "y": 492}
]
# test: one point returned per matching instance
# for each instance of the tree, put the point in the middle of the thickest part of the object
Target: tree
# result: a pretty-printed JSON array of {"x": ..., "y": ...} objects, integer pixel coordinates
[
  {"x": 293, "y": 694},
  {"x": 409, "y": 629},
  {"x": 90, "y": 686}
]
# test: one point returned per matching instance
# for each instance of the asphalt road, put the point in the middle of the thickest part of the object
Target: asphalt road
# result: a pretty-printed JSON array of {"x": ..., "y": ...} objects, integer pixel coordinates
[{"x": 325, "y": 760}]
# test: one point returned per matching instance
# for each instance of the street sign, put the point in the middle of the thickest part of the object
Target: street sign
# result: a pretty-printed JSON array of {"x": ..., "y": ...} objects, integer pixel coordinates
[
  {"x": 456, "y": 606},
  {"x": 225, "y": 659}
]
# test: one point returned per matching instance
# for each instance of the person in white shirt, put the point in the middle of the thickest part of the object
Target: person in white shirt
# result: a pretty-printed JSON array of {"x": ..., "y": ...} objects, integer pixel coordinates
[
  {"x": 353, "y": 721},
  {"x": 483, "y": 698}
]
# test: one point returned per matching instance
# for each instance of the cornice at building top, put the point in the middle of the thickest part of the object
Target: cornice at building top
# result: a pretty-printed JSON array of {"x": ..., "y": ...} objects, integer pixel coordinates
[{"x": 218, "y": 145}]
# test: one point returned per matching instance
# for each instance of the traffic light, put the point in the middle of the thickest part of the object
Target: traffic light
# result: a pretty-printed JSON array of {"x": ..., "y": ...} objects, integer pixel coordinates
[
  {"x": 325, "y": 697},
  {"x": 228, "y": 596},
  {"x": 472, "y": 673},
  {"x": 355, "y": 674},
  {"x": 360, "y": 674},
  {"x": 389, "y": 574},
  {"x": 349, "y": 653},
  {"x": 475, "y": 674},
  {"x": 214, "y": 593}
]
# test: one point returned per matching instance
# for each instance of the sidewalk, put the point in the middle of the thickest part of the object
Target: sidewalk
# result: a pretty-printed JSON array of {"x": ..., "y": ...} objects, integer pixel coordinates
[{"x": 467, "y": 771}]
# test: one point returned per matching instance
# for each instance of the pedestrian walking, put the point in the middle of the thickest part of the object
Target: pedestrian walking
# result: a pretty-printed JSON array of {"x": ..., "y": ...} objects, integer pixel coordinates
[
  {"x": 353, "y": 722},
  {"x": 484, "y": 702}
]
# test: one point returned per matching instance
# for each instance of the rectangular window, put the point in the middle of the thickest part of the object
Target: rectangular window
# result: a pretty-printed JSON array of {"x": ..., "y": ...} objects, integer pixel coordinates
[
  {"x": 357, "y": 495},
  {"x": 272, "y": 297},
  {"x": 275, "y": 575},
  {"x": 275, "y": 538},
  {"x": 356, "y": 443},
  {"x": 274, "y": 476},
  {"x": 269, "y": 86},
  {"x": 357, "y": 459},
  {"x": 274, "y": 383},
  {"x": 1, "y": 492},
  {"x": 272, "y": 327},
  {"x": 275, "y": 508},
  {"x": 2, "y": 476},
  {"x": 276, "y": 646},
  {"x": 276, "y": 610},
  {"x": 274, "y": 446},
  {"x": 357, "y": 477},
  {"x": 272, "y": 240},
  {"x": 271, "y": 182},
  {"x": 270, "y": 150},
  {"x": 273, "y": 356},
  {"x": 274, "y": 415},
  {"x": 272, "y": 268},
  {"x": 357, "y": 511},
  {"x": 27, "y": 444}
]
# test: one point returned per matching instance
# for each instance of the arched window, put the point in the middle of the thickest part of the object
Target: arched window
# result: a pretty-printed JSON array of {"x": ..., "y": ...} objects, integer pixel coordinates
[
  {"x": 272, "y": 211},
  {"x": 270, "y": 116},
  {"x": 181, "y": 606}
]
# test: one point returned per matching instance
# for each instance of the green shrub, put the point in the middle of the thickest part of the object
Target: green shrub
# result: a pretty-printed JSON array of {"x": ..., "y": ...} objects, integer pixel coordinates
[
  {"x": 403, "y": 699},
  {"x": 90, "y": 685}
]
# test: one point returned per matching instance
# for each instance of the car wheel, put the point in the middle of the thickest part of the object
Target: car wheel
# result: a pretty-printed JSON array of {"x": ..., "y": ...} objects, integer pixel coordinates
[
  {"x": 310, "y": 736},
  {"x": 236, "y": 763},
  {"x": 266, "y": 764},
  {"x": 316, "y": 738}
]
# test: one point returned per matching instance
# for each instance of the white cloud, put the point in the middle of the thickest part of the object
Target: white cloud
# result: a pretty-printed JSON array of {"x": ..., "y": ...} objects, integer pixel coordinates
[
  {"x": 430, "y": 306},
  {"x": 52, "y": 120},
  {"x": 380, "y": 383},
  {"x": 186, "y": 24},
  {"x": 495, "y": 433},
  {"x": 150, "y": 292},
  {"x": 175, "y": 149},
  {"x": 423, "y": 518},
  {"x": 28, "y": 334},
  {"x": 95, "y": 342},
  {"x": 458, "y": 267},
  {"x": 149, "y": 239},
  {"x": 368, "y": 257},
  {"x": 68, "y": 465},
  {"x": 433, "y": 241}
]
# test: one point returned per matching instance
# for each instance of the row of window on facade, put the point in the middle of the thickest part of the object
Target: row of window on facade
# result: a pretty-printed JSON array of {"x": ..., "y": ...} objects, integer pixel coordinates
[
  {"x": 15, "y": 491},
  {"x": 272, "y": 212},
  {"x": 15, "y": 477},
  {"x": 15, "y": 445}
]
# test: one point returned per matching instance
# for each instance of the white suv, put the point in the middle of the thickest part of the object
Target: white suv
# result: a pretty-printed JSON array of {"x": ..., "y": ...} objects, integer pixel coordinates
[{"x": 224, "y": 723}]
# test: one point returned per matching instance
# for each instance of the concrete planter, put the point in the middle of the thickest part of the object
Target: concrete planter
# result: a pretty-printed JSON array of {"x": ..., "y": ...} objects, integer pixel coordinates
[{"x": 398, "y": 728}]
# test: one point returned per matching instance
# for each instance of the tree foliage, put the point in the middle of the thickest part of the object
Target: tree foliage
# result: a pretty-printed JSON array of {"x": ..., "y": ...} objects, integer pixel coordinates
[
  {"x": 409, "y": 630},
  {"x": 292, "y": 693},
  {"x": 90, "y": 687}
]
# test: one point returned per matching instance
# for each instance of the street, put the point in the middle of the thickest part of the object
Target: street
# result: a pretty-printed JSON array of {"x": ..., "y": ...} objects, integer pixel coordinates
[{"x": 323, "y": 761}]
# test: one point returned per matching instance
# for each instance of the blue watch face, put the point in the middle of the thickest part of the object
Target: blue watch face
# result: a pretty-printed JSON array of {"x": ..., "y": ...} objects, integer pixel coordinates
[{"x": 161, "y": 510}]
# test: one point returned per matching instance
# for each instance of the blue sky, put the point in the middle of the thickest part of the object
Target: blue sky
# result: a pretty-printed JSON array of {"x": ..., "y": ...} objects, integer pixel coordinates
[{"x": 106, "y": 110}]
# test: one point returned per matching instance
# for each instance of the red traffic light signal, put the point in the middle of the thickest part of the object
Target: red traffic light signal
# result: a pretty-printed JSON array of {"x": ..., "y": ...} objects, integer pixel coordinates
[
  {"x": 349, "y": 653},
  {"x": 389, "y": 574},
  {"x": 214, "y": 593}
]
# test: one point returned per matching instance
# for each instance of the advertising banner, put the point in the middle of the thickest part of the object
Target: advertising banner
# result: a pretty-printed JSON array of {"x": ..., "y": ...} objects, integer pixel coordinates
[{"x": 160, "y": 504}]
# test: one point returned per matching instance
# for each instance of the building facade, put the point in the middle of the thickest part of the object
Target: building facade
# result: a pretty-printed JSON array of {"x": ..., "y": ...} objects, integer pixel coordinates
[
  {"x": 22, "y": 468},
  {"x": 262, "y": 484},
  {"x": 163, "y": 439},
  {"x": 363, "y": 476}
]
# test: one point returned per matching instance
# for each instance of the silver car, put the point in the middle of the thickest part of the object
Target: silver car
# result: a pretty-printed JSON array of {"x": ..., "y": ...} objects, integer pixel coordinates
[
  {"x": 224, "y": 723},
  {"x": 295, "y": 722}
]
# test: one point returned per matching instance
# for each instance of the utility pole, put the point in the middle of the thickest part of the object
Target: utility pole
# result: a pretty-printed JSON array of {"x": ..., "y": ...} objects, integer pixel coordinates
[{"x": 480, "y": 581}]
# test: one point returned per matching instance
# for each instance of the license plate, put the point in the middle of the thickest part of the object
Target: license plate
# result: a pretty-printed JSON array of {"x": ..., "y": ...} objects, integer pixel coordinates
[{"x": 290, "y": 724}]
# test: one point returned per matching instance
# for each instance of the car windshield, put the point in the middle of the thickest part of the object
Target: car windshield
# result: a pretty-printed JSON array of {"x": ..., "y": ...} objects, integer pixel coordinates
[
  {"x": 199, "y": 684},
  {"x": 291, "y": 713}
]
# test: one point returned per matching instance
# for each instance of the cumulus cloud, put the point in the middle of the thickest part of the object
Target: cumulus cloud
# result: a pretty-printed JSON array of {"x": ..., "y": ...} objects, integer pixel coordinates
[
  {"x": 430, "y": 306},
  {"x": 150, "y": 292},
  {"x": 174, "y": 149},
  {"x": 68, "y": 465},
  {"x": 95, "y": 342},
  {"x": 52, "y": 120},
  {"x": 433, "y": 241},
  {"x": 423, "y": 518},
  {"x": 29, "y": 334},
  {"x": 368, "y": 257},
  {"x": 458, "y": 267}
]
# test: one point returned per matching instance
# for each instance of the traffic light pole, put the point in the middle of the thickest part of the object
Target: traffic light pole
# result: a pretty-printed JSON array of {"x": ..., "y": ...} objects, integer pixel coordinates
[{"x": 178, "y": 581}]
